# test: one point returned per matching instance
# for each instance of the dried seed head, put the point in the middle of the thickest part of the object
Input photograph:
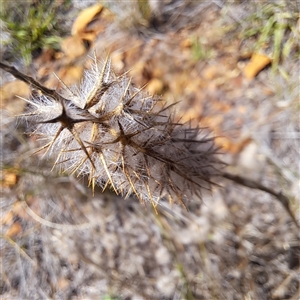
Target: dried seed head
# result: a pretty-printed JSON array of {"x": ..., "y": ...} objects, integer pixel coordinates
[{"x": 119, "y": 137}]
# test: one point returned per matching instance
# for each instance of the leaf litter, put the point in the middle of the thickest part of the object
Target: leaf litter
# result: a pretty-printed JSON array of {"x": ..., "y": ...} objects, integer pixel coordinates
[{"x": 239, "y": 244}]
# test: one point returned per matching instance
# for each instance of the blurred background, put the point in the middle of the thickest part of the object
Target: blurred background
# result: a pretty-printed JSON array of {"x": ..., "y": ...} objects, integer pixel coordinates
[{"x": 234, "y": 68}]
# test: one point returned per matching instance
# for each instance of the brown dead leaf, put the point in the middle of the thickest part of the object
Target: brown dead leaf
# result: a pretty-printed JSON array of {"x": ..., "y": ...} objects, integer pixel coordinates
[
  {"x": 155, "y": 86},
  {"x": 71, "y": 75},
  {"x": 157, "y": 72},
  {"x": 98, "y": 25},
  {"x": 138, "y": 68},
  {"x": 47, "y": 55},
  {"x": 91, "y": 22},
  {"x": 107, "y": 15},
  {"x": 186, "y": 43},
  {"x": 213, "y": 122},
  {"x": 8, "y": 96},
  {"x": 18, "y": 210},
  {"x": 73, "y": 47},
  {"x": 192, "y": 113},
  {"x": 268, "y": 91},
  {"x": 85, "y": 17},
  {"x": 257, "y": 63},
  {"x": 87, "y": 36},
  {"x": 230, "y": 146},
  {"x": 9, "y": 178},
  {"x": 7, "y": 219},
  {"x": 14, "y": 229}
]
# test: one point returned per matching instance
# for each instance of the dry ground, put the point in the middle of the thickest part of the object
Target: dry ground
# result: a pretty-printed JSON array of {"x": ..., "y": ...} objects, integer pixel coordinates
[{"x": 60, "y": 242}]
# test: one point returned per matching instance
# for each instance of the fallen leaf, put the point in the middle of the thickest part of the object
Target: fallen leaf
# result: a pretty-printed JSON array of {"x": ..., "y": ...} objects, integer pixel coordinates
[
  {"x": 230, "y": 146},
  {"x": 213, "y": 121},
  {"x": 18, "y": 210},
  {"x": 85, "y": 17},
  {"x": 191, "y": 113},
  {"x": 256, "y": 64},
  {"x": 71, "y": 75},
  {"x": 7, "y": 219},
  {"x": 97, "y": 26},
  {"x": 155, "y": 86},
  {"x": 47, "y": 55},
  {"x": 87, "y": 36},
  {"x": 14, "y": 229},
  {"x": 157, "y": 72},
  {"x": 73, "y": 47},
  {"x": 107, "y": 14},
  {"x": 268, "y": 91},
  {"x": 8, "y": 96},
  {"x": 9, "y": 178},
  {"x": 186, "y": 43}
]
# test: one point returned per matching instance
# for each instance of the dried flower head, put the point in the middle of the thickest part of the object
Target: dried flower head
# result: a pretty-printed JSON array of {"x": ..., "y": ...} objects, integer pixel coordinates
[{"x": 119, "y": 137}]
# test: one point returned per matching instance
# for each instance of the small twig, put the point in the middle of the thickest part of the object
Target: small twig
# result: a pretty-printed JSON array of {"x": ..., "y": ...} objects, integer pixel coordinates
[
  {"x": 29, "y": 80},
  {"x": 67, "y": 227},
  {"x": 283, "y": 199}
]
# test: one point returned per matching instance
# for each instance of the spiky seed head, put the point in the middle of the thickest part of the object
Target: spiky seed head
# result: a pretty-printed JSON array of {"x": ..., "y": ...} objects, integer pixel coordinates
[{"x": 120, "y": 137}]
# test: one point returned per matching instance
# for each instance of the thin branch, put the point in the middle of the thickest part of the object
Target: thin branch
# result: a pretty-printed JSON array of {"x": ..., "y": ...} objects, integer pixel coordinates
[
  {"x": 29, "y": 80},
  {"x": 283, "y": 199},
  {"x": 67, "y": 227}
]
